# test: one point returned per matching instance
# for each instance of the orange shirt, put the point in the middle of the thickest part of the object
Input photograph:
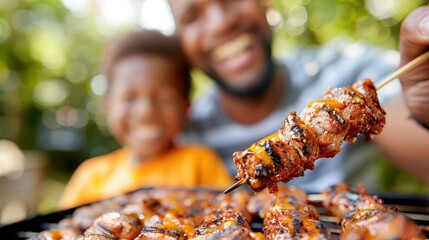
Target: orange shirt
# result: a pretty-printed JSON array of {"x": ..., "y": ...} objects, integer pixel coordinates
[{"x": 113, "y": 174}]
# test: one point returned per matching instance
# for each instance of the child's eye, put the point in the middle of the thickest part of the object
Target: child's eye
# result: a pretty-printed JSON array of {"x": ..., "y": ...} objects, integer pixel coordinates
[{"x": 165, "y": 98}]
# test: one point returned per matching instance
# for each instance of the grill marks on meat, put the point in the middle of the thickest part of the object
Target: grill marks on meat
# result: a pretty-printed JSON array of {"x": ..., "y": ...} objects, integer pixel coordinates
[
  {"x": 287, "y": 215},
  {"x": 318, "y": 132},
  {"x": 53, "y": 234},
  {"x": 223, "y": 224},
  {"x": 115, "y": 225},
  {"x": 362, "y": 108},
  {"x": 341, "y": 199},
  {"x": 262, "y": 202},
  {"x": 293, "y": 224},
  {"x": 382, "y": 223},
  {"x": 328, "y": 124},
  {"x": 365, "y": 217}
]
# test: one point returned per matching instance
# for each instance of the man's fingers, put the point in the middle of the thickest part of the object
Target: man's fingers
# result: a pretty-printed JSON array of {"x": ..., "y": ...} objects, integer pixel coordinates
[{"x": 414, "y": 34}]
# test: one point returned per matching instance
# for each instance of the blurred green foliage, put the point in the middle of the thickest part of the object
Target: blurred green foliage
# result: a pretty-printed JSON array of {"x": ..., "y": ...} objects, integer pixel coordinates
[{"x": 49, "y": 58}]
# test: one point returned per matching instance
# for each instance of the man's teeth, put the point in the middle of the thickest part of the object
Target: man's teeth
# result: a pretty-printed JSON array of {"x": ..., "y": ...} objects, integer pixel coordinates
[{"x": 232, "y": 48}]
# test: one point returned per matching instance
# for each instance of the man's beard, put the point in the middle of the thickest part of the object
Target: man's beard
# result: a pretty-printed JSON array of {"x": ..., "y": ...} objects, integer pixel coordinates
[{"x": 257, "y": 90}]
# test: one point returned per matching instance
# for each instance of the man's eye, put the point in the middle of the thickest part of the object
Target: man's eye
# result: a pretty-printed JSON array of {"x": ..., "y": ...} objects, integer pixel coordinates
[
  {"x": 127, "y": 97},
  {"x": 189, "y": 17}
]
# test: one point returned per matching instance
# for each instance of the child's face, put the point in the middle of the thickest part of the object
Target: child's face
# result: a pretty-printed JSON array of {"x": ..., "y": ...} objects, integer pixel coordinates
[{"x": 145, "y": 106}]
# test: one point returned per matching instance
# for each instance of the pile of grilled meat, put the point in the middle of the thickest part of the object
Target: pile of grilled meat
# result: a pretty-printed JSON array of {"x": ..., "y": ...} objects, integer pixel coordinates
[{"x": 184, "y": 214}]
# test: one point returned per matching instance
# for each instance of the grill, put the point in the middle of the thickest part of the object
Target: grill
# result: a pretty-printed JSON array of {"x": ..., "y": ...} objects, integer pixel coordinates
[{"x": 414, "y": 206}]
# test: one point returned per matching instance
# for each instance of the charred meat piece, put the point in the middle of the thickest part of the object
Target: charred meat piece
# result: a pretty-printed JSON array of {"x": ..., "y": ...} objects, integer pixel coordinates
[
  {"x": 116, "y": 225},
  {"x": 56, "y": 234},
  {"x": 279, "y": 157},
  {"x": 362, "y": 108},
  {"x": 237, "y": 200},
  {"x": 318, "y": 132},
  {"x": 160, "y": 233},
  {"x": 341, "y": 199},
  {"x": 260, "y": 203},
  {"x": 94, "y": 237},
  {"x": 223, "y": 224},
  {"x": 83, "y": 217},
  {"x": 382, "y": 223},
  {"x": 173, "y": 222},
  {"x": 292, "y": 224},
  {"x": 329, "y": 125}
]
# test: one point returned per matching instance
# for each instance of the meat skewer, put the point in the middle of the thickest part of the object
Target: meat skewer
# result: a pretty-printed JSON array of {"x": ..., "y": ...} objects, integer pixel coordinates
[
  {"x": 306, "y": 163},
  {"x": 317, "y": 132}
]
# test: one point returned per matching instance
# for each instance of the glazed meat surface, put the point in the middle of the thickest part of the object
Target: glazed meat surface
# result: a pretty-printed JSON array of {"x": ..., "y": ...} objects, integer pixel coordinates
[
  {"x": 341, "y": 199},
  {"x": 293, "y": 224},
  {"x": 382, "y": 223},
  {"x": 318, "y": 132}
]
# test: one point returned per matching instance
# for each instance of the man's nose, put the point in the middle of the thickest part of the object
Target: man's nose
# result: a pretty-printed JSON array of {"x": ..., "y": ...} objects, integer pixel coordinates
[{"x": 218, "y": 18}]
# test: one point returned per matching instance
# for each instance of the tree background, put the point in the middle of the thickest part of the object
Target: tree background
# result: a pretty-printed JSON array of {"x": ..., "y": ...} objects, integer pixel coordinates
[{"x": 50, "y": 87}]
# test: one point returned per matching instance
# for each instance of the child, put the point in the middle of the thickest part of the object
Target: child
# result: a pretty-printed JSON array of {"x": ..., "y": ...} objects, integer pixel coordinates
[{"x": 146, "y": 105}]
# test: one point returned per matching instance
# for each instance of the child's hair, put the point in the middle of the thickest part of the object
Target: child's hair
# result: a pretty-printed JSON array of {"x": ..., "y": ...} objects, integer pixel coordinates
[{"x": 146, "y": 42}]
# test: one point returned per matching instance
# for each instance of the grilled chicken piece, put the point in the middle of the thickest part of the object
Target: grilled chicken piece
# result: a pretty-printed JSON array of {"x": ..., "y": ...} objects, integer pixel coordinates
[
  {"x": 116, "y": 225},
  {"x": 318, "y": 132},
  {"x": 83, "y": 217},
  {"x": 237, "y": 200},
  {"x": 293, "y": 224},
  {"x": 382, "y": 223},
  {"x": 94, "y": 237},
  {"x": 223, "y": 224},
  {"x": 362, "y": 108},
  {"x": 56, "y": 234},
  {"x": 341, "y": 199},
  {"x": 260, "y": 203},
  {"x": 174, "y": 221},
  {"x": 328, "y": 123}
]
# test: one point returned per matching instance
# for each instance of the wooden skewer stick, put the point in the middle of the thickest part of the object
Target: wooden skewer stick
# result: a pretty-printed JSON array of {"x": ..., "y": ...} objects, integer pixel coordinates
[
  {"x": 235, "y": 185},
  {"x": 334, "y": 230},
  {"x": 404, "y": 69}
]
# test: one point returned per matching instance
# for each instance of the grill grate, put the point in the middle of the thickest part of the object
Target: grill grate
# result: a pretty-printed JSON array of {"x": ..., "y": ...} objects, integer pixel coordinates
[{"x": 414, "y": 206}]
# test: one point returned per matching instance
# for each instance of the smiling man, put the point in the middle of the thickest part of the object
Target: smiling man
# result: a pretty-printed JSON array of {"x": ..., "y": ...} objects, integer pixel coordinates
[{"x": 230, "y": 40}]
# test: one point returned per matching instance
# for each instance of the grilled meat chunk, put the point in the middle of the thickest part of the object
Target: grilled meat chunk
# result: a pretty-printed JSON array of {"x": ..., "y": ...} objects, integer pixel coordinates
[
  {"x": 56, "y": 234},
  {"x": 223, "y": 224},
  {"x": 260, "y": 203},
  {"x": 382, "y": 223},
  {"x": 341, "y": 199},
  {"x": 318, "y": 132},
  {"x": 116, "y": 225},
  {"x": 293, "y": 224}
]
